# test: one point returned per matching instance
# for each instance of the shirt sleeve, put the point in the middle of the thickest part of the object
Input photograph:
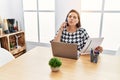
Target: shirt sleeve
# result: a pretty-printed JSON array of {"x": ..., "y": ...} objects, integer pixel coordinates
[
  {"x": 56, "y": 33},
  {"x": 85, "y": 37}
]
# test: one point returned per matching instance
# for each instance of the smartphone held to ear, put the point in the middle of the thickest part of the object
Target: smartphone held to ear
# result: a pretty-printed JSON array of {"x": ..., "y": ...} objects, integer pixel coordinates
[{"x": 66, "y": 22}]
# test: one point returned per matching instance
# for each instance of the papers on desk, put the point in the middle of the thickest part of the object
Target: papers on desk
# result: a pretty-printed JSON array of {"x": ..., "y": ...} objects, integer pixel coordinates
[{"x": 91, "y": 43}]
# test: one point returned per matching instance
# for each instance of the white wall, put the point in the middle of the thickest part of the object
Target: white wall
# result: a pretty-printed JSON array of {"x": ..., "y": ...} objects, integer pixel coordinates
[
  {"x": 12, "y": 9},
  {"x": 62, "y": 7}
]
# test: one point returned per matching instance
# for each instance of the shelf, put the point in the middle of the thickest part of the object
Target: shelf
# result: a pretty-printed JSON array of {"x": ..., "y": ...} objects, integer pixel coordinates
[
  {"x": 15, "y": 51},
  {"x": 14, "y": 43}
]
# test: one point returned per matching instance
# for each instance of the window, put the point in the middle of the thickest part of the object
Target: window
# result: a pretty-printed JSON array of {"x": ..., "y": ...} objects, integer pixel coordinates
[
  {"x": 31, "y": 6},
  {"x": 91, "y": 4},
  {"x": 101, "y": 19},
  {"x": 31, "y": 30},
  {"x": 46, "y": 4},
  {"x": 112, "y": 5},
  {"x": 47, "y": 21},
  {"x": 91, "y": 22},
  {"x": 39, "y": 18},
  {"x": 111, "y": 31}
]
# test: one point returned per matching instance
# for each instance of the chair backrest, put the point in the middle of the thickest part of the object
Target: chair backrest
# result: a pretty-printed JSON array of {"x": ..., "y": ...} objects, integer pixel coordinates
[
  {"x": 118, "y": 51},
  {"x": 5, "y": 56}
]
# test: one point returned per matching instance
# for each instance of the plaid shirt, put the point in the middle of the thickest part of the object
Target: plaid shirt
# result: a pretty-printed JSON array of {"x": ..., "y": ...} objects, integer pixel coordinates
[{"x": 80, "y": 37}]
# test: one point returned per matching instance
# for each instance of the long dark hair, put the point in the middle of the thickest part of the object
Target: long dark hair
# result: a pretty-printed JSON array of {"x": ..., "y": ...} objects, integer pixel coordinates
[{"x": 79, "y": 23}]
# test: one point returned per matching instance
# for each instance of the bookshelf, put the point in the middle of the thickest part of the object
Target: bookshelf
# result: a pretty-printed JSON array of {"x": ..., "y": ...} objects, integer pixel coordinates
[{"x": 14, "y": 43}]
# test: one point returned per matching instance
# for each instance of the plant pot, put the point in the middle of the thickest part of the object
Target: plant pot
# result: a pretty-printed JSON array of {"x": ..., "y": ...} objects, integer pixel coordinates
[{"x": 55, "y": 69}]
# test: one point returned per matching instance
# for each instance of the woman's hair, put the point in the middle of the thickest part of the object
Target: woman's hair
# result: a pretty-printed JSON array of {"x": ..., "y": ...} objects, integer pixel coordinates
[{"x": 79, "y": 23}]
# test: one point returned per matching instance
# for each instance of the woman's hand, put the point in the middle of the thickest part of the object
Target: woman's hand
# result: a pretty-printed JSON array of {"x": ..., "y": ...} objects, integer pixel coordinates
[
  {"x": 99, "y": 48},
  {"x": 63, "y": 25},
  {"x": 57, "y": 38}
]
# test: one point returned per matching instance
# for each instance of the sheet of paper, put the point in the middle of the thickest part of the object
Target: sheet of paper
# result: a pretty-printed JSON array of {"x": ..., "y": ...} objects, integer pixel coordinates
[{"x": 91, "y": 43}]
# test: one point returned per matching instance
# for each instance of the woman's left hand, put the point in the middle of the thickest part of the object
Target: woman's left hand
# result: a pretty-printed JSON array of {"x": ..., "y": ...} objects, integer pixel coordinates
[{"x": 99, "y": 48}]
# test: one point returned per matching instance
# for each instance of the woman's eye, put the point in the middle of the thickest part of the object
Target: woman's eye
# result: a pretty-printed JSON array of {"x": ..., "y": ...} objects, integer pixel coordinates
[
  {"x": 70, "y": 16},
  {"x": 74, "y": 17}
]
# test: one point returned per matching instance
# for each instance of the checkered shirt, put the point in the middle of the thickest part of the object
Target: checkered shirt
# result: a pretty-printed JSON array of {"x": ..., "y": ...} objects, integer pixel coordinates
[{"x": 80, "y": 37}]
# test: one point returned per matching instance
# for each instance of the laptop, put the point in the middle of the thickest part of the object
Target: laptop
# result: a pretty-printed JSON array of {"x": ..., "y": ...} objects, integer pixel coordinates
[
  {"x": 91, "y": 43},
  {"x": 66, "y": 50},
  {"x": 69, "y": 50}
]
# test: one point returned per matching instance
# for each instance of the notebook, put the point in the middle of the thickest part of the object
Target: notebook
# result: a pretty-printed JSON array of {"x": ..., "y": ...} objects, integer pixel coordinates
[
  {"x": 91, "y": 43},
  {"x": 66, "y": 50}
]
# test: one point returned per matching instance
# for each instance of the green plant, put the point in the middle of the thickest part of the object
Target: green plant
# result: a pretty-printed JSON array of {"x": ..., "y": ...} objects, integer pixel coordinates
[
  {"x": 11, "y": 45},
  {"x": 55, "y": 62}
]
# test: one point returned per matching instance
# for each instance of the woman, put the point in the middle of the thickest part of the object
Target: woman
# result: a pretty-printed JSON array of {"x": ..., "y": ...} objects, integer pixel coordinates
[{"x": 71, "y": 31}]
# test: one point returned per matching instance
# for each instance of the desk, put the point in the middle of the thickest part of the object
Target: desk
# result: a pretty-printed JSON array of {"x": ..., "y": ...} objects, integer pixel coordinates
[{"x": 33, "y": 65}]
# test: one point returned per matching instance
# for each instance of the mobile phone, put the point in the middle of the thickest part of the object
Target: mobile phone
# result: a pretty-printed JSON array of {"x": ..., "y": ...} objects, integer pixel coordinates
[{"x": 66, "y": 22}]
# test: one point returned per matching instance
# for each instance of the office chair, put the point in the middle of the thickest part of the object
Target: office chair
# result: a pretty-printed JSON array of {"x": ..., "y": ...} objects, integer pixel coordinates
[{"x": 5, "y": 57}]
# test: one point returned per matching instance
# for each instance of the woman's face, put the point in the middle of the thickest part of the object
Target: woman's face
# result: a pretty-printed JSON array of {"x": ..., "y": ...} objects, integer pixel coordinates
[{"x": 72, "y": 19}]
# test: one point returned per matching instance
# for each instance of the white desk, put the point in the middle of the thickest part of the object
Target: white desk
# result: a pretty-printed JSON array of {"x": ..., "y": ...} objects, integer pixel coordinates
[{"x": 33, "y": 65}]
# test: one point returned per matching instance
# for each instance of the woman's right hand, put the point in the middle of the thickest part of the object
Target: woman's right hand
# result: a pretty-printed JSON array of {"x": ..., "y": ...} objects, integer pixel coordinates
[
  {"x": 64, "y": 24},
  {"x": 58, "y": 36}
]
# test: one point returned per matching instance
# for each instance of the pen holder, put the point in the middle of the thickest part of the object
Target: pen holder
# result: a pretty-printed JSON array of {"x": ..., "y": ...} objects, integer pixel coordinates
[{"x": 94, "y": 56}]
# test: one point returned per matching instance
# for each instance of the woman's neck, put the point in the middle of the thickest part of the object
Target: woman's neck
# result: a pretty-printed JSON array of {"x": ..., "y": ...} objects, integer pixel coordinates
[{"x": 72, "y": 29}]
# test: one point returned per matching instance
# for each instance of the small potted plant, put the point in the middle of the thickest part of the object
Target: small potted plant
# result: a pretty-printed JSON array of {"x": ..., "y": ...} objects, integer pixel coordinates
[{"x": 55, "y": 64}]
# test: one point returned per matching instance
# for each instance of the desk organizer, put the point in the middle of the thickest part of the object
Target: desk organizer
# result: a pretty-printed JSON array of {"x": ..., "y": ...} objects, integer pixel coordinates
[{"x": 94, "y": 56}]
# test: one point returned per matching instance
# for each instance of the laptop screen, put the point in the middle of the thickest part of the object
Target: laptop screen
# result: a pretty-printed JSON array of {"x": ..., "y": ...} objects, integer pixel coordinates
[{"x": 67, "y": 50}]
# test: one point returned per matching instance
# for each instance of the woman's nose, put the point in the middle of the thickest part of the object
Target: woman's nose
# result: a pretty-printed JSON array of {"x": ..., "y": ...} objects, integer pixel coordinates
[{"x": 72, "y": 18}]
